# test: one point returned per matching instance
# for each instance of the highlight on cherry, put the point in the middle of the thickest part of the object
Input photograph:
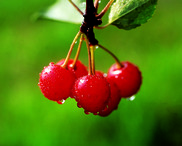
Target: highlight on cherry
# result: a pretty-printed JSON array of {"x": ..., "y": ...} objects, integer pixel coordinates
[{"x": 94, "y": 91}]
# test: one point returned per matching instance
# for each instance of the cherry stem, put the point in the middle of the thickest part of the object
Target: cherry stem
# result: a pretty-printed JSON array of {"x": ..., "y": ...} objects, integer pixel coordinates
[
  {"x": 92, "y": 49},
  {"x": 96, "y": 4},
  {"x": 76, "y": 7},
  {"x": 89, "y": 7},
  {"x": 115, "y": 58},
  {"x": 89, "y": 55},
  {"x": 102, "y": 27},
  {"x": 101, "y": 14},
  {"x": 70, "y": 50},
  {"x": 78, "y": 52}
]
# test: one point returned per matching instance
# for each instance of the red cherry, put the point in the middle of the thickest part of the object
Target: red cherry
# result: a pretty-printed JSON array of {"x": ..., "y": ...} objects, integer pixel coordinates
[
  {"x": 91, "y": 92},
  {"x": 113, "y": 100},
  {"x": 79, "y": 70},
  {"x": 56, "y": 82},
  {"x": 128, "y": 78},
  {"x": 99, "y": 73}
]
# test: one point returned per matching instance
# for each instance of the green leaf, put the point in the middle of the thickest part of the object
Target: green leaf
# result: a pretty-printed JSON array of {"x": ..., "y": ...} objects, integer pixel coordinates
[
  {"x": 129, "y": 14},
  {"x": 63, "y": 10}
]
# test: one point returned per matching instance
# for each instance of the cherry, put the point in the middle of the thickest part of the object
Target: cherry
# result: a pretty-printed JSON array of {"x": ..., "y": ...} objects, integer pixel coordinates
[
  {"x": 99, "y": 73},
  {"x": 128, "y": 78},
  {"x": 91, "y": 92},
  {"x": 79, "y": 69},
  {"x": 94, "y": 91},
  {"x": 113, "y": 100},
  {"x": 56, "y": 82}
]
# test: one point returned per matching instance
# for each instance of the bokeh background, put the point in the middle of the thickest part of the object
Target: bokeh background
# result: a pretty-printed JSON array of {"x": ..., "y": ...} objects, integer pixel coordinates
[{"x": 154, "y": 118}]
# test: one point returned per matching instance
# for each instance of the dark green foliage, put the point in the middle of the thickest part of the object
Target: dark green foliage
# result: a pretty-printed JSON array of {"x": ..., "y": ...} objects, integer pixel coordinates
[{"x": 133, "y": 17}]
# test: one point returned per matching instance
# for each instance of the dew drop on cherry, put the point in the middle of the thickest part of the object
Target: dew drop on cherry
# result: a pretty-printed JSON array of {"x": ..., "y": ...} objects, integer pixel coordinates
[
  {"x": 96, "y": 113},
  {"x": 61, "y": 101},
  {"x": 78, "y": 105},
  {"x": 105, "y": 75},
  {"x": 131, "y": 98},
  {"x": 86, "y": 112}
]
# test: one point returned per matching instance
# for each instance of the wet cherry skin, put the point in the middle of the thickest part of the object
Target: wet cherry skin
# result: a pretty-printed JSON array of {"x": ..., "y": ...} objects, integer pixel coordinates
[
  {"x": 113, "y": 101},
  {"x": 128, "y": 78},
  {"x": 56, "y": 82},
  {"x": 91, "y": 93},
  {"x": 79, "y": 69}
]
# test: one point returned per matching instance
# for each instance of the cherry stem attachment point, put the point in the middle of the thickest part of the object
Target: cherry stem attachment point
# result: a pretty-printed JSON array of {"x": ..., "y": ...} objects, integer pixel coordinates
[
  {"x": 102, "y": 27},
  {"x": 89, "y": 55},
  {"x": 78, "y": 52},
  {"x": 70, "y": 50},
  {"x": 74, "y": 5},
  {"x": 115, "y": 58},
  {"x": 101, "y": 14}
]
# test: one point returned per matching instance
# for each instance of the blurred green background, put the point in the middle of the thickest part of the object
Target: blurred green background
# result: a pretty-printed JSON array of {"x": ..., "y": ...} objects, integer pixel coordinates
[{"x": 154, "y": 118}]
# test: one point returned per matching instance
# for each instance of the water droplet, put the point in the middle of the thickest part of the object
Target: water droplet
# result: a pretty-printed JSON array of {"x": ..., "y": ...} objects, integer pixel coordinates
[
  {"x": 82, "y": 81},
  {"x": 61, "y": 101},
  {"x": 105, "y": 75},
  {"x": 51, "y": 63},
  {"x": 76, "y": 42},
  {"x": 86, "y": 112},
  {"x": 99, "y": 1},
  {"x": 131, "y": 98},
  {"x": 79, "y": 106},
  {"x": 84, "y": 3},
  {"x": 47, "y": 70},
  {"x": 96, "y": 113},
  {"x": 96, "y": 47}
]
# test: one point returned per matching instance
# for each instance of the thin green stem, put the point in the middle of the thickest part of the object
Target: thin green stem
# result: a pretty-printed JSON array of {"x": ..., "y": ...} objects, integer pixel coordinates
[
  {"x": 78, "y": 52},
  {"x": 70, "y": 50},
  {"x": 96, "y": 4},
  {"x": 74, "y": 5},
  {"x": 115, "y": 58},
  {"x": 101, "y": 14},
  {"x": 89, "y": 55},
  {"x": 92, "y": 49}
]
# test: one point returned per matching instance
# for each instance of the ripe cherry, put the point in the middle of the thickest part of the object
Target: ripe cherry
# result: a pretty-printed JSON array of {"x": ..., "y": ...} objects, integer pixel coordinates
[
  {"x": 79, "y": 69},
  {"x": 113, "y": 100},
  {"x": 128, "y": 78},
  {"x": 56, "y": 82},
  {"x": 92, "y": 93},
  {"x": 99, "y": 73}
]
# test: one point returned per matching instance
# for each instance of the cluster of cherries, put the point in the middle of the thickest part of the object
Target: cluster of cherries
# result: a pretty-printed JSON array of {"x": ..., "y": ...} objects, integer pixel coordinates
[
  {"x": 99, "y": 94},
  {"x": 94, "y": 91}
]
